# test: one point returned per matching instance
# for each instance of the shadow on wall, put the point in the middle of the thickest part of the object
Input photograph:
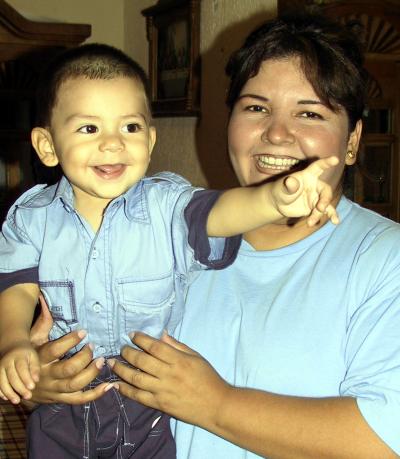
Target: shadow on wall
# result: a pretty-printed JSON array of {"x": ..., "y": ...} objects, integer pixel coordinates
[{"x": 211, "y": 127}]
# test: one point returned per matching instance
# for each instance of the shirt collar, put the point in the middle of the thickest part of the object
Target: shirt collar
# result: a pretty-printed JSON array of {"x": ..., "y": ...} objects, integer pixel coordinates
[
  {"x": 135, "y": 199},
  {"x": 136, "y": 203},
  {"x": 49, "y": 194}
]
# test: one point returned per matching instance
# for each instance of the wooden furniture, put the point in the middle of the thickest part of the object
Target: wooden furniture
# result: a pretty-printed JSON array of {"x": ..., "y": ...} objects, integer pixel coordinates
[
  {"x": 173, "y": 31},
  {"x": 25, "y": 46},
  {"x": 374, "y": 182}
]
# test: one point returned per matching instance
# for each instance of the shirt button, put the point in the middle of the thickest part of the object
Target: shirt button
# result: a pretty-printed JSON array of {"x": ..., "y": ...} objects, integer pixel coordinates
[
  {"x": 95, "y": 254},
  {"x": 101, "y": 350},
  {"x": 97, "y": 307}
]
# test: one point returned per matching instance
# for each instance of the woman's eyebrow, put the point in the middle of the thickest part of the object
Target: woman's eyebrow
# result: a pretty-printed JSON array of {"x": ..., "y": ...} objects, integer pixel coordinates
[
  {"x": 254, "y": 96},
  {"x": 310, "y": 102},
  {"x": 266, "y": 99}
]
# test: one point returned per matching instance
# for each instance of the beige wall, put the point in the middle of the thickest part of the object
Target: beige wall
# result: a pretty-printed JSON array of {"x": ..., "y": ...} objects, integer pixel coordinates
[
  {"x": 105, "y": 16},
  {"x": 193, "y": 147},
  {"x": 196, "y": 148}
]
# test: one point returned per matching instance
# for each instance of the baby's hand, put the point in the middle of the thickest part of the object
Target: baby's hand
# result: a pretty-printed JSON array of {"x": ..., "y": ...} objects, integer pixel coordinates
[
  {"x": 303, "y": 193},
  {"x": 19, "y": 371}
]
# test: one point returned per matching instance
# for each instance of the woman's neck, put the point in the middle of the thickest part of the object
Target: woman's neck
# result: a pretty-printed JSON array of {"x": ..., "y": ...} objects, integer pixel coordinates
[
  {"x": 275, "y": 236},
  {"x": 278, "y": 235}
]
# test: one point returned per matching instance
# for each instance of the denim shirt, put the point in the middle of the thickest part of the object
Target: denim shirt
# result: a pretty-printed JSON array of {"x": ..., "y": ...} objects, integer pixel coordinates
[{"x": 125, "y": 277}]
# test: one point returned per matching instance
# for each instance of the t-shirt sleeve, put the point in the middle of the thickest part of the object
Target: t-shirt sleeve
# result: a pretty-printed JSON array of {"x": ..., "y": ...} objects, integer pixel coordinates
[
  {"x": 18, "y": 255},
  {"x": 213, "y": 252},
  {"x": 373, "y": 348}
]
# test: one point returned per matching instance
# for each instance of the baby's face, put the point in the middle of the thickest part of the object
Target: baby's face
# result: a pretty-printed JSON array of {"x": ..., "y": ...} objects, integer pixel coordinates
[{"x": 102, "y": 137}]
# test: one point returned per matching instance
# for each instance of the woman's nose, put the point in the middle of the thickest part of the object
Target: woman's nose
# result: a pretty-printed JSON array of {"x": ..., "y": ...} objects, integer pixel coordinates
[
  {"x": 111, "y": 142},
  {"x": 277, "y": 131}
]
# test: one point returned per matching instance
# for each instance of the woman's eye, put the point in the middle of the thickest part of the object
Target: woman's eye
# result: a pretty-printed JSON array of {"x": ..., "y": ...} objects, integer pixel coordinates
[
  {"x": 132, "y": 127},
  {"x": 88, "y": 129},
  {"x": 256, "y": 108},
  {"x": 311, "y": 115}
]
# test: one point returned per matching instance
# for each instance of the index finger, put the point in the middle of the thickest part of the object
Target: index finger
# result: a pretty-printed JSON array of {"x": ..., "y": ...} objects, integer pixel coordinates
[
  {"x": 81, "y": 397},
  {"x": 73, "y": 366},
  {"x": 322, "y": 164},
  {"x": 155, "y": 347},
  {"x": 74, "y": 398},
  {"x": 54, "y": 350},
  {"x": 80, "y": 380}
]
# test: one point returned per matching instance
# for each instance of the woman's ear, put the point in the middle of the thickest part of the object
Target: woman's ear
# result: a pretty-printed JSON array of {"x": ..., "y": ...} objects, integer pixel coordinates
[
  {"x": 353, "y": 144},
  {"x": 42, "y": 142}
]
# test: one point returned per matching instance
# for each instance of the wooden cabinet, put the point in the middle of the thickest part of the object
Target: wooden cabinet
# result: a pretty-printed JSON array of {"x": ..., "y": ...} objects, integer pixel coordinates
[
  {"x": 25, "y": 47},
  {"x": 374, "y": 181}
]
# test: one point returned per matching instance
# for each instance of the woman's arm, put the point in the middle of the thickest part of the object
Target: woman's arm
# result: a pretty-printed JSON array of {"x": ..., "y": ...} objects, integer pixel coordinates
[
  {"x": 177, "y": 380},
  {"x": 63, "y": 381}
]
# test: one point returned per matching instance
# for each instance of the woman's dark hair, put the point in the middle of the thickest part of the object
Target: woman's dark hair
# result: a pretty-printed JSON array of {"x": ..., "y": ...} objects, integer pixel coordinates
[
  {"x": 330, "y": 56},
  {"x": 94, "y": 61}
]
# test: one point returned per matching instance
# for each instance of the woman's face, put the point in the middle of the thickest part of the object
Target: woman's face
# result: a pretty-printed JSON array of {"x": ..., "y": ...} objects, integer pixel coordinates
[{"x": 278, "y": 123}]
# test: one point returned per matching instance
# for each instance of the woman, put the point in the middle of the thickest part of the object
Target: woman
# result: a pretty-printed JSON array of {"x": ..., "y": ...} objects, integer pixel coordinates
[{"x": 303, "y": 327}]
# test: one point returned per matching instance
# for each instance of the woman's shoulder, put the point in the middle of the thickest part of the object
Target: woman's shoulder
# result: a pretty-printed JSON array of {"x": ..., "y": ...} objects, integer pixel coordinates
[
  {"x": 370, "y": 228},
  {"x": 366, "y": 218}
]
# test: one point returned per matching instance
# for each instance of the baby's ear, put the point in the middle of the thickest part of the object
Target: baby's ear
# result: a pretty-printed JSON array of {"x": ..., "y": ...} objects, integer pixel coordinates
[{"x": 42, "y": 142}]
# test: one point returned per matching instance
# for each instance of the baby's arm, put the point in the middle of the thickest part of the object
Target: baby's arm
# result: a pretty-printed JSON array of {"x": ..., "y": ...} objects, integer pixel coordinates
[
  {"x": 301, "y": 194},
  {"x": 19, "y": 365}
]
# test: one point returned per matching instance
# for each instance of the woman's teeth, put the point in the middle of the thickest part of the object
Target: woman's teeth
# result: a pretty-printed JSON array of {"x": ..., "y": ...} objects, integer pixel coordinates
[{"x": 271, "y": 162}]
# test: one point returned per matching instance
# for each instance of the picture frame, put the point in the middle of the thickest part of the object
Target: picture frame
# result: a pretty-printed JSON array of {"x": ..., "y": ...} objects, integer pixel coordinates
[{"x": 173, "y": 32}]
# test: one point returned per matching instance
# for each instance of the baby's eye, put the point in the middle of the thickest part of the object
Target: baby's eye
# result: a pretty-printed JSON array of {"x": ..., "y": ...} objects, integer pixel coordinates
[
  {"x": 311, "y": 115},
  {"x": 88, "y": 129},
  {"x": 256, "y": 108},
  {"x": 132, "y": 127}
]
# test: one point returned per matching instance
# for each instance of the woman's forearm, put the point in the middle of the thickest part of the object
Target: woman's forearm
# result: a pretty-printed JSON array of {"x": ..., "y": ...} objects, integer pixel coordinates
[
  {"x": 287, "y": 427},
  {"x": 175, "y": 379}
]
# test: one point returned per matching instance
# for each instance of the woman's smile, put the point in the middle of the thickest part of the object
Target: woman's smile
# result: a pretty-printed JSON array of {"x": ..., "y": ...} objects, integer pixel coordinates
[{"x": 275, "y": 163}]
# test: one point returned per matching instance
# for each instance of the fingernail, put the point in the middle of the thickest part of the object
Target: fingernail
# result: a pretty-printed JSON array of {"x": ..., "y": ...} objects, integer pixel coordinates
[
  {"x": 82, "y": 333},
  {"x": 116, "y": 386},
  {"x": 131, "y": 335},
  {"x": 108, "y": 387},
  {"x": 111, "y": 363},
  {"x": 91, "y": 346},
  {"x": 100, "y": 362}
]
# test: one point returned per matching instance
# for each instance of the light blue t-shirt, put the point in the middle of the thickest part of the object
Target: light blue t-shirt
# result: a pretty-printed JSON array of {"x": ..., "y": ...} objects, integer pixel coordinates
[{"x": 318, "y": 318}]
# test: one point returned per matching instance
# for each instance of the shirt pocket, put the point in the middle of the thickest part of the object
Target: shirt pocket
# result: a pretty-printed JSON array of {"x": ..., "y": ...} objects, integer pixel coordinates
[
  {"x": 146, "y": 304},
  {"x": 60, "y": 297}
]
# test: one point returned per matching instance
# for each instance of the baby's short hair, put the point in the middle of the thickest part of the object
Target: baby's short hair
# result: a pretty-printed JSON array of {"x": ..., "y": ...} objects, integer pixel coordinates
[{"x": 93, "y": 61}]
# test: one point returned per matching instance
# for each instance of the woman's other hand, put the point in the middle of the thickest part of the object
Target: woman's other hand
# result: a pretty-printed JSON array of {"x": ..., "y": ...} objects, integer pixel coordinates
[{"x": 173, "y": 378}]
